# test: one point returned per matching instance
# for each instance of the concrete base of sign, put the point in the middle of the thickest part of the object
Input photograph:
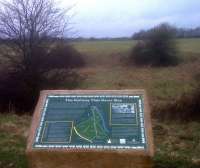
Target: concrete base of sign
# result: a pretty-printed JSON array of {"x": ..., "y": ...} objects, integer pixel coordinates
[
  {"x": 85, "y": 159},
  {"x": 90, "y": 158}
]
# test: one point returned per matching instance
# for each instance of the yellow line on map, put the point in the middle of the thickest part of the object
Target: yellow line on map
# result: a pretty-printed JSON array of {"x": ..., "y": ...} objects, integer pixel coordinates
[{"x": 81, "y": 135}]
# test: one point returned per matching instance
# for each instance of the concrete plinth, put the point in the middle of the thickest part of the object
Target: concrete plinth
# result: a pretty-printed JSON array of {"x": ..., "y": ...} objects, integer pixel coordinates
[{"x": 45, "y": 151}]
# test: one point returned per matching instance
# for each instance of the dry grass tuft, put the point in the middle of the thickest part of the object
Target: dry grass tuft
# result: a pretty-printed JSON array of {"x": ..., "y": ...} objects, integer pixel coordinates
[{"x": 186, "y": 108}]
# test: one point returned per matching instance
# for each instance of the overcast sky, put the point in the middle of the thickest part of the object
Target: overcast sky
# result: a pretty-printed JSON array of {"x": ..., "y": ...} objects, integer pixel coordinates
[{"x": 117, "y": 18}]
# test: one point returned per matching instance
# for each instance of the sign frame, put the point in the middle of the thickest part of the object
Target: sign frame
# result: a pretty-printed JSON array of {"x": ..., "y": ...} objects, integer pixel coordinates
[{"x": 149, "y": 151}]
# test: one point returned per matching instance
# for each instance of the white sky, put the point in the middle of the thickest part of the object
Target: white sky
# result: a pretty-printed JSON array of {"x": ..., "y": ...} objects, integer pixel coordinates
[{"x": 117, "y": 18}]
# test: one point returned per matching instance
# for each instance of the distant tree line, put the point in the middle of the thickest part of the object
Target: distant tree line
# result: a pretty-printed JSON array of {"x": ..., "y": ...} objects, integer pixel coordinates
[
  {"x": 97, "y": 39},
  {"x": 179, "y": 33}
]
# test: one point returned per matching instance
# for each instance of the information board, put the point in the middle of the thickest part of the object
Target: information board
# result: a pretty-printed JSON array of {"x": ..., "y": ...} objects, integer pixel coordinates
[{"x": 92, "y": 121}]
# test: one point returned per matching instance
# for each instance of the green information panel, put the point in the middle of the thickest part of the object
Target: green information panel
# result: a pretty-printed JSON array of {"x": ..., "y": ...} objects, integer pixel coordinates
[{"x": 92, "y": 121}]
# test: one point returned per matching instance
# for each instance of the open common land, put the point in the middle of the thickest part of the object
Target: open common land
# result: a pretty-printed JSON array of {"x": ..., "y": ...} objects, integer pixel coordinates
[
  {"x": 177, "y": 144},
  {"x": 106, "y": 69}
]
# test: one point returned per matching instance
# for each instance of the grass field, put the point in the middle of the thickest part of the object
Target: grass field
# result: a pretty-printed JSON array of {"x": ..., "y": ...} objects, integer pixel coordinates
[
  {"x": 177, "y": 144},
  {"x": 106, "y": 70}
]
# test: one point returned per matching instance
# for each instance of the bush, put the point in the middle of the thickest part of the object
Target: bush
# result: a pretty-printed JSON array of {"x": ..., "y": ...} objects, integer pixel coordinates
[
  {"x": 139, "y": 54},
  {"x": 48, "y": 69},
  {"x": 19, "y": 90},
  {"x": 65, "y": 56},
  {"x": 157, "y": 49},
  {"x": 60, "y": 56}
]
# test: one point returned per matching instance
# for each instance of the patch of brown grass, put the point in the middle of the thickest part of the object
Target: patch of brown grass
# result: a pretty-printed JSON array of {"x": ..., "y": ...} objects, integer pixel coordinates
[
  {"x": 14, "y": 124},
  {"x": 177, "y": 140},
  {"x": 186, "y": 108}
]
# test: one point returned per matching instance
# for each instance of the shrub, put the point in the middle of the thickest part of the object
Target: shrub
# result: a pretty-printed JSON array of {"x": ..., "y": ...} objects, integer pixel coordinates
[
  {"x": 48, "y": 68},
  {"x": 65, "y": 56},
  {"x": 19, "y": 90},
  {"x": 60, "y": 56},
  {"x": 157, "y": 49},
  {"x": 139, "y": 54}
]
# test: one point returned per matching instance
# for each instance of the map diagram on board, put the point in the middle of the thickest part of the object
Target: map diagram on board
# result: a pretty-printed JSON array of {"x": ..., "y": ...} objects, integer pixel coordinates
[
  {"x": 93, "y": 127},
  {"x": 92, "y": 121}
]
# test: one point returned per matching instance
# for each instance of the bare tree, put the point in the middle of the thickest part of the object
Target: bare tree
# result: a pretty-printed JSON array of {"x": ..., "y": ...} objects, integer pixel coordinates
[
  {"x": 26, "y": 24},
  {"x": 28, "y": 30}
]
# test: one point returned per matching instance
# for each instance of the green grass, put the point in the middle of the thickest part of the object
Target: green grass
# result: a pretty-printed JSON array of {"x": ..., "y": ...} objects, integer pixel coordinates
[
  {"x": 177, "y": 144},
  {"x": 105, "y": 69},
  {"x": 189, "y": 45},
  {"x": 13, "y": 134},
  {"x": 103, "y": 52}
]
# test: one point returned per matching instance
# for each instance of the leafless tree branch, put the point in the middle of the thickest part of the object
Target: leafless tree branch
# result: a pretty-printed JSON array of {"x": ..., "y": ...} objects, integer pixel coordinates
[{"x": 29, "y": 23}]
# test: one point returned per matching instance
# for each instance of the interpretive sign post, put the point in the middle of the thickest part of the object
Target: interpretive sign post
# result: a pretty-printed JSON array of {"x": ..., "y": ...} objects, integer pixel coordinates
[{"x": 91, "y": 128}]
